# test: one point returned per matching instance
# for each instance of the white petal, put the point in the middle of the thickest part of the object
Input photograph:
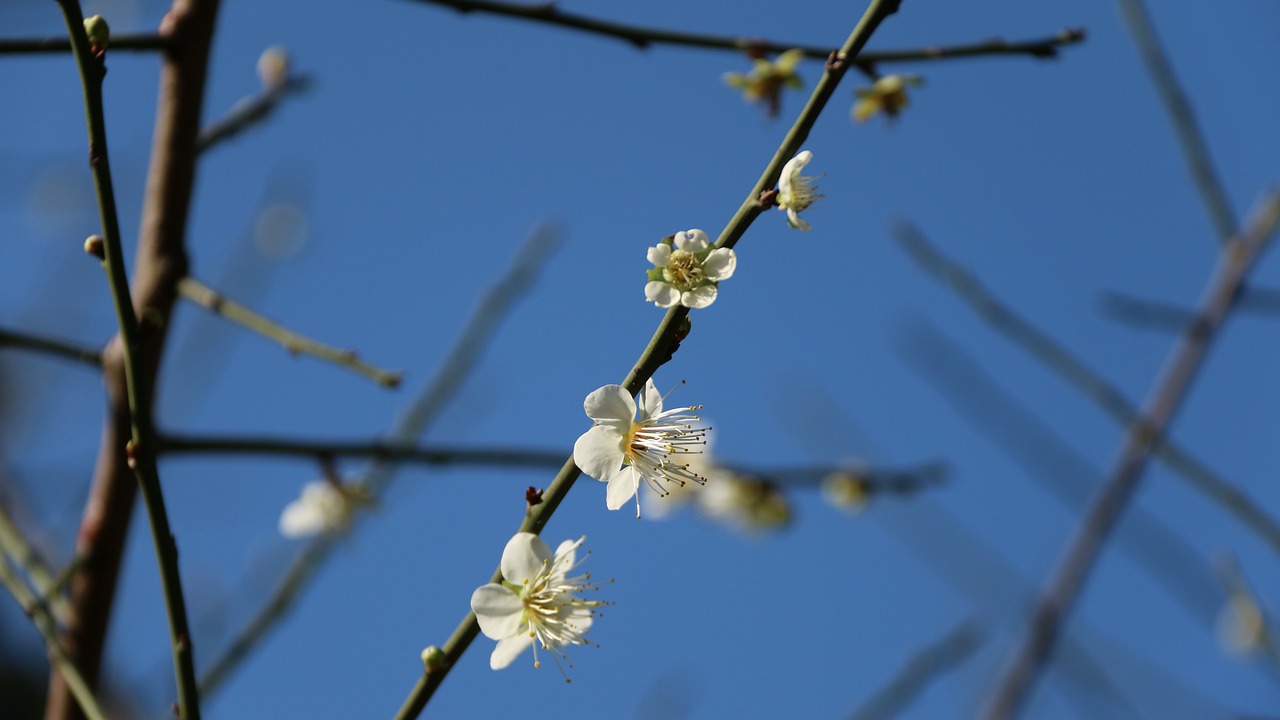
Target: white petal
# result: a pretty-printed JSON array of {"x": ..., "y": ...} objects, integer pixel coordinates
[
  {"x": 598, "y": 452},
  {"x": 699, "y": 297},
  {"x": 794, "y": 221},
  {"x": 611, "y": 405},
  {"x": 622, "y": 487},
  {"x": 695, "y": 241},
  {"x": 523, "y": 557},
  {"x": 650, "y": 400},
  {"x": 498, "y": 611},
  {"x": 720, "y": 264},
  {"x": 660, "y": 254},
  {"x": 567, "y": 553},
  {"x": 300, "y": 520},
  {"x": 661, "y": 294},
  {"x": 509, "y": 649}
]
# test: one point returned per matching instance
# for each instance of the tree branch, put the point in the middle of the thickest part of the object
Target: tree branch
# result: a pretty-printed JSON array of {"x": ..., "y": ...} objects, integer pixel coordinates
[
  {"x": 123, "y": 41},
  {"x": 1237, "y": 259},
  {"x": 57, "y": 348}
]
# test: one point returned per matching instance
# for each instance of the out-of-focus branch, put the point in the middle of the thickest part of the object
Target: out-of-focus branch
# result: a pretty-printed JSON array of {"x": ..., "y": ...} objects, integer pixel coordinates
[
  {"x": 1237, "y": 259},
  {"x": 479, "y": 331},
  {"x": 250, "y": 111},
  {"x": 126, "y": 458},
  {"x": 43, "y": 619},
  {"x": 643, "y": 37},
  {"x": 1088, "y": 381},
  {"x": 672, "y": 329},
  {"x": 49, "y": 346},
  {"x": 934, "y": 660},
  {"x": 1194, "y": 148},
  {"x": 1158, "y": 315},
  {"x": 123, "y": 41},
  {"x": 217, "y": 303},
  {"x": 14, "y": 544}
]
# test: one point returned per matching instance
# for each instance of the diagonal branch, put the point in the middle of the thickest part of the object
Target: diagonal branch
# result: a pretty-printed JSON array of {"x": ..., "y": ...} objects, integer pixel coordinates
[
  {"x": 1237, "y": 259},
  {"x": 215, "y": 302}
]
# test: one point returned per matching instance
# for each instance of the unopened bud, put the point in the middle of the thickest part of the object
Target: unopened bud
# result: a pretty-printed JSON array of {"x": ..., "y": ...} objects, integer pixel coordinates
[
  {"x": 273, "y": 67},
  {"x": 97, "y": 30},
  {"x": 93, "y": 246},
  {"x": 433, "y": 659}
]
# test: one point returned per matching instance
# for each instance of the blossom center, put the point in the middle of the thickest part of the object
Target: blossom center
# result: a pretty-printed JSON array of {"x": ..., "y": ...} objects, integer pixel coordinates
[
  {"x": 683, "y": 270},
  {"x": 801, "y": 195}
]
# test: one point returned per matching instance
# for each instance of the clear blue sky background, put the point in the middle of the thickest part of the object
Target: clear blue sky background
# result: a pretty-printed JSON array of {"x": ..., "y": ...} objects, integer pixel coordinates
[{"x": 432, "y": 143}]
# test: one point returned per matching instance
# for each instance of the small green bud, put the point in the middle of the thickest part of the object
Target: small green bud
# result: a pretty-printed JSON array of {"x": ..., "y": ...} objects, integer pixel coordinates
[
  {"x": 97, "y": 30},
  {"x": 93, "y": 246},
  {"x": 433, "y": 659}
]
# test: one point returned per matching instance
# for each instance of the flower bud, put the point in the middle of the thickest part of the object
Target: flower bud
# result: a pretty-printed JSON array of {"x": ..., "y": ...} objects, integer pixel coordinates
[
  {"x": 433, "y": 659},
  {"x": 97, "y": 30},
  {"x": 93, "y": 246}
]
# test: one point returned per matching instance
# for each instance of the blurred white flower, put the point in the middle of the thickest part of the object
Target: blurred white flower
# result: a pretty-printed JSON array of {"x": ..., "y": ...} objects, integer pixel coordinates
[
  {"x": 886, "y": 95},
  {"x": 273, "y": 68},
  {"x": 765, "y": 81},
  {"x": 623, "y": 451},
  {"x": 795, "y": 191},
  {"x": 537, "y": 600},
  {"x": 324, "y": 508},
  {"x": 687, "y": 275},
  {"x": 1241, "y": 625}
]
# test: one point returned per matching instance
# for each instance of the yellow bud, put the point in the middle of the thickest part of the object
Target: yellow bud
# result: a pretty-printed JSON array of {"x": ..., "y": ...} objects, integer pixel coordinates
[{"x": 97, "y": 30}]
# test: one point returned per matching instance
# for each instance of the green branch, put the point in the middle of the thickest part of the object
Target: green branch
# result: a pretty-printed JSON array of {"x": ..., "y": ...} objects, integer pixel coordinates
[
  {"x": 665, "y": 341},
  {"x": 219, "y": 304},
  {"x": 141, "y": 451}
]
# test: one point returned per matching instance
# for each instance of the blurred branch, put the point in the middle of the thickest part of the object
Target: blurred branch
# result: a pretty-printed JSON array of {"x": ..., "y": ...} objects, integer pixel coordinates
[
  {"x": 57, "y": 348},
  {"x": 42, "y": 618},
  {"x": 126, "y": 460},
  {"x": 1236, "y": 260},
  {"x": 671, "y": 331},
  {"x": 642, "y": 37},
  {"x": 1088, "y": 381},
  {"x": 935, "y": 659},
  {"x": 1194, "y": 148},
  {"x": 14, "y": 544},
  {"x": 122, "y": 41},
  {"x": 1045, "y": 457},
  {"x": 210, "y": 299},
  {"x": 1158, "y": 315},
  {"x": 250, "y": 111},
  {"x": 462, "y": 359}
]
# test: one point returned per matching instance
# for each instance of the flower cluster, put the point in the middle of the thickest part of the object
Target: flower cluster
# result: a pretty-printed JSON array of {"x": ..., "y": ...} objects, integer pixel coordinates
[
  {"x": 625, "y": 451},
  {"x": 764, "y": 83},
  {"x": 686, "y": 270},
  {"x": 887, "y": 95},
  {"x": 537, "y": 604}
]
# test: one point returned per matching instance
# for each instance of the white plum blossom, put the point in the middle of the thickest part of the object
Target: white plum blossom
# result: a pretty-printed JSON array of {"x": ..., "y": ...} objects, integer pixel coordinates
[
  {"x": 324, "y": 508},
  {"x": 686, "y": 270},
  {"x": 795, "y": 191},
  {"x": 537, "y": 601},
  {"x": 624, "y": 451},
  {"x": 748, "y": 503}
]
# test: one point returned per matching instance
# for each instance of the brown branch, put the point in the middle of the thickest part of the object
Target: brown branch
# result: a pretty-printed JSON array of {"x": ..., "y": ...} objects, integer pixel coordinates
[
  {"x": 1237, "y": 259},
  {"x": 49, "y": 346},
  {"x": 161, "y": 261}
]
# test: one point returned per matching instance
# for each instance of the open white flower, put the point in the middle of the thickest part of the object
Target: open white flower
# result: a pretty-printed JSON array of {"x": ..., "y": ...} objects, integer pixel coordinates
[
  {"x": 795, "y": 191},
  {"x": 622, "y": 450},
  {"x": 324, "y": 508},
  {"x": 537, "y": 600},
  {"x": 686, "y": 270}
]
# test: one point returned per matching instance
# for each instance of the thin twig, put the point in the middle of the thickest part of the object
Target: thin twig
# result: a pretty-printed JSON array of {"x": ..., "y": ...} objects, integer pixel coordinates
[
  {"x": 43, "y": 619},
  {"x": 925, "y": 666},
  {"x": 643, "y": 37},
  {"x": 219, "y": 304},
  {"x": 671, "y": 330},
  {"x": 122, "y": 41},
  {"x": 1159, "y": 315},
  {"x": 127, "y": 452},
  {"x": 250, "y": 111},
  {"x": 1088, "y": 381},
  {"x": 1194, "y": 148},
  {"x": 49, "y": 346},
  {"x": 1237, "y": 259},
  {"x": 476, "y": 336},
  {"x": 14, "y": 544}
]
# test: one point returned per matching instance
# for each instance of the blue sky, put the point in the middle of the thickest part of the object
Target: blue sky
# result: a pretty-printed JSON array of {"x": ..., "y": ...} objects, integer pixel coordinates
[{"x": 429, "y": 147}]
